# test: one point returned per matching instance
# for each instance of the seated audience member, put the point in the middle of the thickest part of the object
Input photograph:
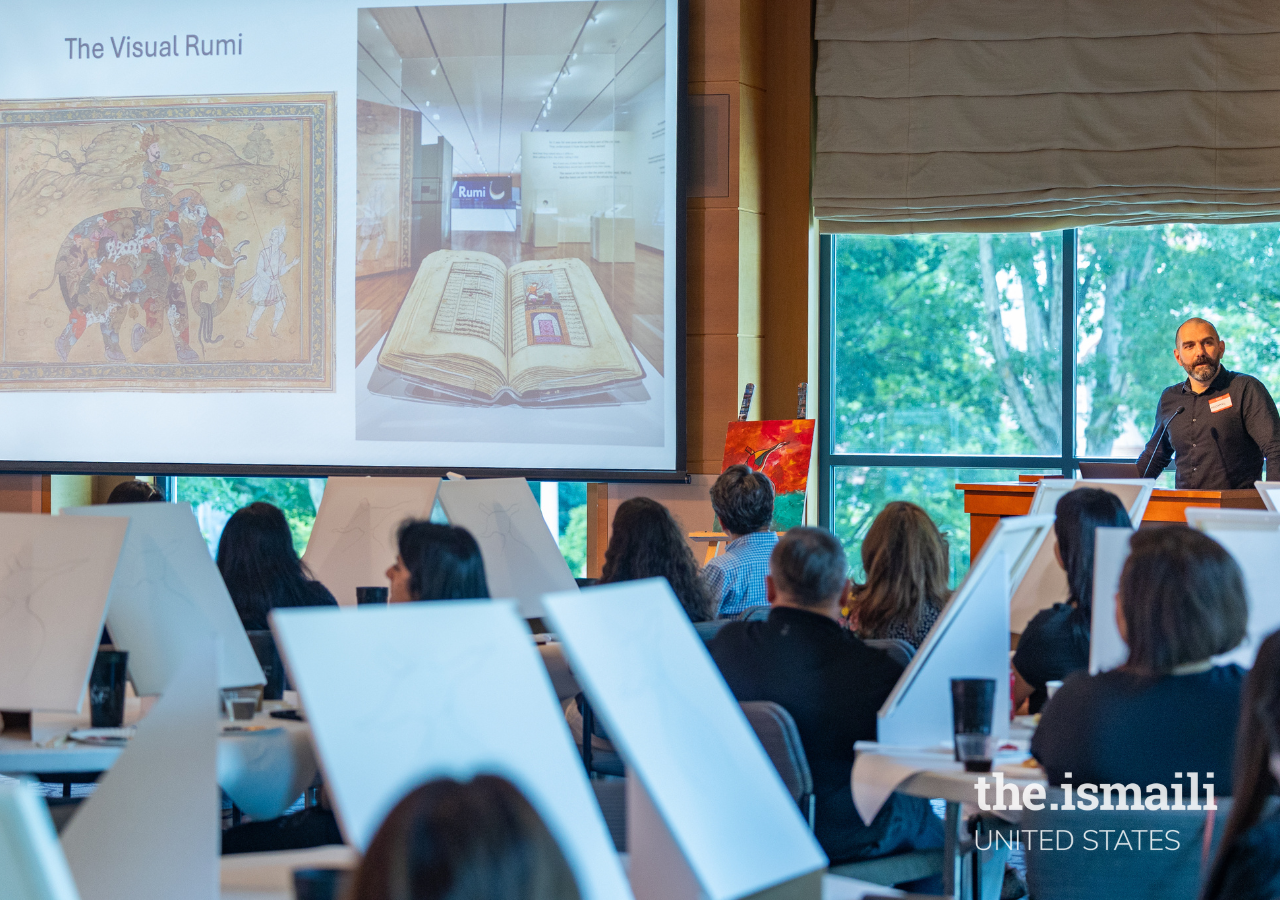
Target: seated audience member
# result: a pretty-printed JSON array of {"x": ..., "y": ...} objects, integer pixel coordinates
[
  {"x": 646, "y": 542},
  {"x": 135, "y": 492},
  {"x": 1248, "y": 863},
  {"x": 436, "y": 562},
  {"x": 478, "y": 840},
  {"x": 743, "y": 501},
  {"x": 832, "y": 684},
  {"x": 905, "y": 558},
  {"x": 261, "y": 569},
  {"x": 1168, "y": 709},
  {"x": 1056, "y": 642}
]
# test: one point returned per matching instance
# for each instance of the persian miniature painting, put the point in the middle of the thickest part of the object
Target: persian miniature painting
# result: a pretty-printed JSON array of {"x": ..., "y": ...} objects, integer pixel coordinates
[
  {"x": 167, "y": 244},
  {"x": 780, "y": 448}
]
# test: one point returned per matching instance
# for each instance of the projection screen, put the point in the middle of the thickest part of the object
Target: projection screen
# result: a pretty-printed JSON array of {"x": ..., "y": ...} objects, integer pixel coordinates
[{"x": 325, "y": 237}]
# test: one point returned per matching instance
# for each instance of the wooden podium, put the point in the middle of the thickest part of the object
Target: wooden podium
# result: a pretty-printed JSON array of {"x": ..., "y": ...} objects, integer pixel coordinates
[{"x": 988, "y": 503}]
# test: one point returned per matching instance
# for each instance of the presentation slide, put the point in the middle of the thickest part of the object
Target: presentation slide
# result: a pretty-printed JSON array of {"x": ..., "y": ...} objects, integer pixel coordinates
[{"x": 316, "y": 233}]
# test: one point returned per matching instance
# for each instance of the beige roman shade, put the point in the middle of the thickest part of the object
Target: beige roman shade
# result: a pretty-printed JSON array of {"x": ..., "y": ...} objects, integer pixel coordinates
[{"x": 1028, "y": 115}]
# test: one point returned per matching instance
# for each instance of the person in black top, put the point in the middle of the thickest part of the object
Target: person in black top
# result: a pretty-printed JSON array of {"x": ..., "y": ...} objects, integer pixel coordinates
[
  {"x": 832, "y": 684},
  {"x": 1168, "y": 710},
  {"x": 261, "y": 569},
  {"x": 1221, "y": 425},
  {"x": 436, "y": 562},
  {"x": 1248, "y": 862},
  {"x": 1056, "y": 642}
]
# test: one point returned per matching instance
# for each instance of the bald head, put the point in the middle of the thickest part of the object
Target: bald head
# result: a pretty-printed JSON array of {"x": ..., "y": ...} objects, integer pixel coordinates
[
  {"x": 1198, "y": 349},
  {"x": 1200, "y": 324}
]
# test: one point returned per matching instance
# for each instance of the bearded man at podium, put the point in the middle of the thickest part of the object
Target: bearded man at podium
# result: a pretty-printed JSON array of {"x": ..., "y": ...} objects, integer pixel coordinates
[{"x": 1218, "y": 426}]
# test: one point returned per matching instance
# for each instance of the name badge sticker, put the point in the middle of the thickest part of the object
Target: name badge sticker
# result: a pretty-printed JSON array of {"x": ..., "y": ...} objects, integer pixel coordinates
[{"x": 1218, "y": 404}]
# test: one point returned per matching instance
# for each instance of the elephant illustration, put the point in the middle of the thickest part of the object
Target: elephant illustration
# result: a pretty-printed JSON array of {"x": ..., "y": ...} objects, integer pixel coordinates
[{"x": 127, "y": 260}]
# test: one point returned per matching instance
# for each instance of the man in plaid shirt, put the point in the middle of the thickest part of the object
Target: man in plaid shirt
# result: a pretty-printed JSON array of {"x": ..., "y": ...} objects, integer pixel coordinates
[{"x": 743, "y": 501}]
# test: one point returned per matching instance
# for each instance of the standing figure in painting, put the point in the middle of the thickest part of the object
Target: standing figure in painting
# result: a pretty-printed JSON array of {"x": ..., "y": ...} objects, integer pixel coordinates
[
  {"x": 155, "y": 187},
  {"x": 264, "y": 287}
]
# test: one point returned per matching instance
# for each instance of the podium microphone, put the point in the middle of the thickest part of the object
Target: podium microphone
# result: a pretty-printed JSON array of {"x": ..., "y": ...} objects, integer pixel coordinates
[{"x": 1161, "y": 438}]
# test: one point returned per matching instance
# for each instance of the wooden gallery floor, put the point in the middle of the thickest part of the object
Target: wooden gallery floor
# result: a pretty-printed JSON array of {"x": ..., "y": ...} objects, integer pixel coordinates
[{"x": 634, "y": 290}]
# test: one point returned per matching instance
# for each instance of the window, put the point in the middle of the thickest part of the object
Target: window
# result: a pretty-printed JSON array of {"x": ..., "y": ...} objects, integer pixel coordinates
[
  {"x": 942, "y": 355},
  {"x": 215, "y": 499}
]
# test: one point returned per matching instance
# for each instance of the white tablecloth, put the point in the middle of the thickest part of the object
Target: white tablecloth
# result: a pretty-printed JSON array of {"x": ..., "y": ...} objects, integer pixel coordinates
[{"x": 263, "y": 772}]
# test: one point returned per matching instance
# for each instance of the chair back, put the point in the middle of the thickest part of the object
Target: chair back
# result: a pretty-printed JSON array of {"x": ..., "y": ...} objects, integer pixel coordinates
[
  {"x": 896, "y": 649},
  {"x": 754, "y": 614},
  {"x": 778, "y": 734},
  {"x": 1093, "y": 867},
  {"x": 708, "y": 630},
  {"x": 264, "y": 647}
]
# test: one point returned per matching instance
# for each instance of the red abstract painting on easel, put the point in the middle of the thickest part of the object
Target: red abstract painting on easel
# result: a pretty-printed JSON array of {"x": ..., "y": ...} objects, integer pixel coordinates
[{"x": 781, "y": 448}]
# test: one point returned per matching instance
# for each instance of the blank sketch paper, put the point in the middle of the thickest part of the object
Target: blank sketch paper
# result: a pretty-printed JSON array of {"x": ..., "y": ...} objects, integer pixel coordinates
[
  {"x": 151, "y": 829},
  {"x": 679, "y": 728},
  {"x": 1107, "y": 649},
  {"x": 353, "y": 541},
  {"x": 969, "y": 640},
  {"x": 168, "y": 596},
  {"x": 521, "y": 558},
  {"x": 1257, "y": 553},
  {"x": 1269, "y": 491},
  {"x": 398, "y": 695},
  {"x": 55, "y": 577}
]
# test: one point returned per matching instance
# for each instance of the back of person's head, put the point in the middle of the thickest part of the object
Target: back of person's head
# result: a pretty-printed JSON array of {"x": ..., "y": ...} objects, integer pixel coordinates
[
  {"x": 1079, "y": 514},
  {"x": 1182, "y": 599},
  {"x": 906, "y": 561},
  {"x": 809, "y": 565},
  {"x": 444, "y": 561},
  {"x": 646, "y": 542},
  {"x": 475, "y": 840},
  {"x": 258, "y": 563},
  {"x": 743, "y": 500},
  {"x": 134, "y": 492},
  {"x": 1257, "y": 740}
]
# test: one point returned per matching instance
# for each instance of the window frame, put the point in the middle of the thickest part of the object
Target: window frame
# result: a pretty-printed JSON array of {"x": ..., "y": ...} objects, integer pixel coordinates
[{"x": 829, "y": 460}]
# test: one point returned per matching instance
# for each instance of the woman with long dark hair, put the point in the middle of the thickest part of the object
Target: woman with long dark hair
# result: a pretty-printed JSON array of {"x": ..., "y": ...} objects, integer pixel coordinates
[
  {"x": 646, "y": 542},
  {"x": 436, "y": 562},
  {"x": 905, "y": 558},
  {"x": 1056, "y": 642},
  {"x": 1248, "y": 862},
  {"x": 261, "y": 569}
]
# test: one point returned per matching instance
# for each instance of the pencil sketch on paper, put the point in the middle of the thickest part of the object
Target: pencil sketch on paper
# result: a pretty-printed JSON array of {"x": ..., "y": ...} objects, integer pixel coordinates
[
  {"x": 175, "y": 244},
  {"x": 24, "y": 608}
]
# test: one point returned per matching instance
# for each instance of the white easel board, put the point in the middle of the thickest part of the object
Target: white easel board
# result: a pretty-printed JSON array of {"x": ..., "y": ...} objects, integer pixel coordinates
[
  {"x": 399, "y": 695},
  {"x": 354, "y": 538},
  {"x": 689, "y": 504},
  {"x": 151, "y": 829},
  {"x": 1269, "y": 491},
  {"x": 168, "y": 597},
  {"x": 1046, "y": 583},
  {"x": 55, "y": 577},
  {"x": 521, "y": 559},
  {"x": 730, "y": 823},
  {"x": 969, "y": 640},
  {"x": 1213, "y": 521},
  {"x": 1107, "y": 650},
  {"x": 1256, "y": 551},
  {"x": 31, "y": 858}
]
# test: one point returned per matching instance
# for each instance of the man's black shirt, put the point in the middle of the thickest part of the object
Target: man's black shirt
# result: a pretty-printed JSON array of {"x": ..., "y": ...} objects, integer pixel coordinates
[
  {"x": 833, "y": 685},
  {"x": 1221, "y": 436}
]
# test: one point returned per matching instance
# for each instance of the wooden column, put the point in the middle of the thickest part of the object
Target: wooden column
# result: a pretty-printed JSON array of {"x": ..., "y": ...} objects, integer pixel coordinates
[{"x": 24, "y": 493}]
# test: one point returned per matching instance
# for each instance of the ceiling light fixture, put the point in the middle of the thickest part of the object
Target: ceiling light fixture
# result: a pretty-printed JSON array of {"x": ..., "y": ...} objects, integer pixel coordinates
[
  {"x": 544, "y": 114},
  {"x": 575, "y": 55},
  {"x": 436, "y": 116},
  {"x": 433, "y": 70}
]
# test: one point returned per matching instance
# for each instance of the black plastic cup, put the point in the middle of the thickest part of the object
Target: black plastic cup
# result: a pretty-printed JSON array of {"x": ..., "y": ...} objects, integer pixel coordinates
[
  {"x": 371, "y": 595},
  {"x": 107, "y": 688},
  {"x": 973, "y": 705},
  {"x": 321, "y": 884},
  {"x": 264, "y": 647}
]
